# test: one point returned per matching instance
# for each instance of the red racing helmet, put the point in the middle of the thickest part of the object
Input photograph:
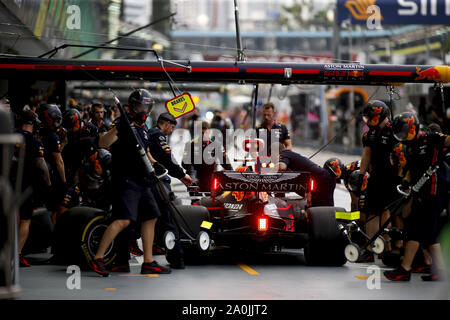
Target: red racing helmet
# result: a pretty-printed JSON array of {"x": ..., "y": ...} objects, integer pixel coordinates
[
  {"x": 72, "y": 120},
  {"x": 335, "y": 166},
  {"x": 50, "y": 115},
  {"x": 405, "y": 126},
  {"x": 374, "y": 113}
]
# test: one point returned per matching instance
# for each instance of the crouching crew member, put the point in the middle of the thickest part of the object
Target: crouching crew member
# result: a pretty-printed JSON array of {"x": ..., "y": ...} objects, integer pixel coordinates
[
  {"x": 82, "y": 139},
  {"x": 348, "y": 175}
]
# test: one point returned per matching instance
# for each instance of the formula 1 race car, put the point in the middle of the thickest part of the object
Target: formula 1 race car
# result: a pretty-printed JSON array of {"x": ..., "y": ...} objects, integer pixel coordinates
[{"x": 243, "y": 212}]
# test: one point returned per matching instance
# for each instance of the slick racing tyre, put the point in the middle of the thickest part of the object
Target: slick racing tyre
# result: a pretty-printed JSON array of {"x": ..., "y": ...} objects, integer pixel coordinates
[
  {"x": 78, "y": 233},
  {"x": 326, "y": 243},
  {"x": 193, "y": 216}
]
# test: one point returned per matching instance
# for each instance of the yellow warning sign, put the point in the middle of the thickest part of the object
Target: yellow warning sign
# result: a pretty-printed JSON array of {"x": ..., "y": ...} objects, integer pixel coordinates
[
  {"x": 206, "y": 224},
  {"x": 180, "y": 105}
]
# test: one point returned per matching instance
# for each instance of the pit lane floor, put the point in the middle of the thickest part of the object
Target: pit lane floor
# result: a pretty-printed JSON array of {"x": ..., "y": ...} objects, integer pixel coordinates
[
  {"x": 280, "y": 276},
  {"x": 233, "y": 276}
]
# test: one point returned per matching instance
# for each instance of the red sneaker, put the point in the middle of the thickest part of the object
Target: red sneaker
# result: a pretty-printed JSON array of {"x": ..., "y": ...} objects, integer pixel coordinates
[
  {"x": 398, "y": 274},
  {"x": 432, "y": 277},
  {"x": 98, "y": 265},
  {"x": 158, "y": 251},
  {"x": 426, "y": 268},
  {"x": 134, "y": 249},
  {"x": 118, "y": 267},
  {"x": 23, "y": 263},
  {"x": 154, "y": 268}
]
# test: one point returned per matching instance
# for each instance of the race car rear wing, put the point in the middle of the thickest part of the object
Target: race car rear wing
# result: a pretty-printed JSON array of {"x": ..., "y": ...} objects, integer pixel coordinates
[{"x": 284, "y": 182}]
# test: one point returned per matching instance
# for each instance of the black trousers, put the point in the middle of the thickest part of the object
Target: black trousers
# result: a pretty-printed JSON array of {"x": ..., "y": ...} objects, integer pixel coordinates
[{"x": 422, "y": 223}]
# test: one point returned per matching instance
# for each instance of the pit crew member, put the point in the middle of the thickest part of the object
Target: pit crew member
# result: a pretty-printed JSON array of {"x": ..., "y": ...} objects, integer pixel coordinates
[
  {"x": 133, "y": 199},
  {"x": 324, "y": 180},
  {"x": 378, "y": 143},
  {"x": 269, "y": 126},
  {"x": 423, "y": 150}
]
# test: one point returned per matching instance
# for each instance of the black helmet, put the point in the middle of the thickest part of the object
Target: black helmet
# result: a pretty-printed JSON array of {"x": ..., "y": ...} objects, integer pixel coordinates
[
  {"x": 140, "y": 97},
  {"x": 72, "y": 120},
  {"x": 50, "y": 115},
  {"x": 405, "y": 126},
  {"x": 353, "y": 182},
  {"x": 335, "y": 167},
  {"x": 374, "y": 113}
]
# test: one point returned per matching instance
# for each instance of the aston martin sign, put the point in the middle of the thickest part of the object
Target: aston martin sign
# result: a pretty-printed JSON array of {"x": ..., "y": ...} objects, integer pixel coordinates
[{"x": 271, "y": 182}]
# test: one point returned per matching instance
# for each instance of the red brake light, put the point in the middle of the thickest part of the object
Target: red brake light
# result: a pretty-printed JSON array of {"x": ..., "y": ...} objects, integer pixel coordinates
[
  {"x": 253, "y": 145},
  {"x": 263, "y": 224},
  {"x": 312, "y": 185},
  {"x": 215, "y": 184}
]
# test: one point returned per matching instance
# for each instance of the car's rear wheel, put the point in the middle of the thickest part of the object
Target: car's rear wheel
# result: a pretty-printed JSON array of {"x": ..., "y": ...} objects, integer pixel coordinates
[{"x": 326, "y": 243}]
